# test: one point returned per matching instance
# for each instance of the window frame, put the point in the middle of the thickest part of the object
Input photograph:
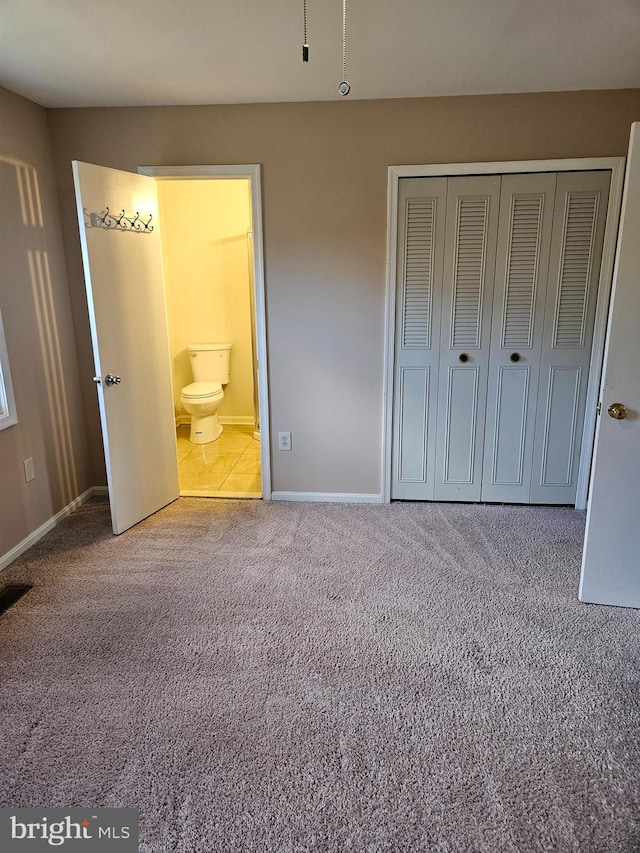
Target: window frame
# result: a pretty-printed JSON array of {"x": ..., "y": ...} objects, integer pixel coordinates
[{"x": 8, "y": 413}]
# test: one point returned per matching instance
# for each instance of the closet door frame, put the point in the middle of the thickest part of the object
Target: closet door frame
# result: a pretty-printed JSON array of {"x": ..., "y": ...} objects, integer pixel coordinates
[{"x": 616, "y": 166}]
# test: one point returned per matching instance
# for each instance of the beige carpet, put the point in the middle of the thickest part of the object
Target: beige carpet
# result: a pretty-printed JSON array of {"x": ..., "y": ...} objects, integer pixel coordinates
[{"x": 285, "y": 678}]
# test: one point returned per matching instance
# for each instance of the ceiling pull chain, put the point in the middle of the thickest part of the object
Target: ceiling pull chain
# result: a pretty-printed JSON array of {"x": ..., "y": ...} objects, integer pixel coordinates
[
  {"x": 305, "y": 46},
  {"x": 344, "y": 88}
]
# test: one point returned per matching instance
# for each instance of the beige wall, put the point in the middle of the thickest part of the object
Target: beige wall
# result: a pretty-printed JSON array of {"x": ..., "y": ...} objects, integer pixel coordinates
[
  {"x": 204, "y": 228},
  {"x": 324, "y": 195},
  {"x": 34, "y": 302}
]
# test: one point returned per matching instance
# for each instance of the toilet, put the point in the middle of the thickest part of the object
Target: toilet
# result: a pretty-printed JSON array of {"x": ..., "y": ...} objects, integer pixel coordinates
[{"x": 201, "y": 399}]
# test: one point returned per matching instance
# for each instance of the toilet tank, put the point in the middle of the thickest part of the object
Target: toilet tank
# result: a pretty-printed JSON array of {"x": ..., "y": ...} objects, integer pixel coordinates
[{"x": 210, "y": 362}]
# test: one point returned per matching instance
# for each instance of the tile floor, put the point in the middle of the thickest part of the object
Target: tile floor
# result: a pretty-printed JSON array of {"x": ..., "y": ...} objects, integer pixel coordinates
[{"x": 228, "y": 467}]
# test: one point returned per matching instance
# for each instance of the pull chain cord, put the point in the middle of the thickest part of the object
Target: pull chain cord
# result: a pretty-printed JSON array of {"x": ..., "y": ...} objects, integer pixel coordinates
[
  {"x": 305, "y": 46},
  {"x": 344, "y": 40},
  {"x": 344, "y": 88}
]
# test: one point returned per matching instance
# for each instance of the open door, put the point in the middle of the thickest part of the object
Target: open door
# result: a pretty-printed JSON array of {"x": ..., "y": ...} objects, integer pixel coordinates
[
  {"x": 611, "y": 559},
  {"x": 127, "y": 313}
]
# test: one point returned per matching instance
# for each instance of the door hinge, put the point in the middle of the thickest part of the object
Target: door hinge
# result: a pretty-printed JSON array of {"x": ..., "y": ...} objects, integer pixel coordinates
[{"x": 599, "y": 408}]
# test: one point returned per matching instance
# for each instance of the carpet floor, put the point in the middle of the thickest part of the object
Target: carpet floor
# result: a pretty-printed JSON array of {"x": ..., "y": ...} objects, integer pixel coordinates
[{"x": 285, "y": 678}]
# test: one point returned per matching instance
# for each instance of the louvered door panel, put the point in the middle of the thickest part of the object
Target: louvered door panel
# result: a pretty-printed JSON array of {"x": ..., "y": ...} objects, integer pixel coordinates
[
  {"x": 417, "y": 284},
  {"x": 470, "y": 246},
  {"x": 576, "y": 253},
  {"x": 524, "y": 237},
  {"x": 523, "y": 216},
  {"x": 468, "y": 274},
  {"x": 575, "y": 267},
  {"x": 421, "y": 223}
]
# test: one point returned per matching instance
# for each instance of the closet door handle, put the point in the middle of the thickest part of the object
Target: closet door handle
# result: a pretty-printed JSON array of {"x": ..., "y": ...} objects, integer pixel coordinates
[
  {"x": 463, "y": 357},
  {"x": 618, "y": 411},
  {"x": 515, "y": 357}
]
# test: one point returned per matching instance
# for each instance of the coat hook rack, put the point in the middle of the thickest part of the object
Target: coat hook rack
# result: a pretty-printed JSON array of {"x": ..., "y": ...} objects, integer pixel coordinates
[{"x": 122, "y": 221}]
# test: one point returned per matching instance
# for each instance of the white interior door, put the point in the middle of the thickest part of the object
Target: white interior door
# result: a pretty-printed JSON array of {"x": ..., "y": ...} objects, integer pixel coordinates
[
  {"x": 611, "y": 559},
  {"x": 421, "y": 223},
  {"x": 127, "y": 313},
  {"x": 574, "y": 271},
  {"x": 522, "y": 265},
  {"x": 470, "y": 254}
]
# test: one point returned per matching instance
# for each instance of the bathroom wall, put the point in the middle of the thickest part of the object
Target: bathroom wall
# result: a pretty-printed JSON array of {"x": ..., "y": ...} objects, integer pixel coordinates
[{"x": 204, "y": 226}]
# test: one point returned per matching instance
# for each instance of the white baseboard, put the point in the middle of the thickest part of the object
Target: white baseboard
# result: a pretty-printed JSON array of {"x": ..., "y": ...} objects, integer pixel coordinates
[
  {"x": 243, "y": 420},
  {"x": 327, "y": 497},
  {"x": 45, "y": 528}
]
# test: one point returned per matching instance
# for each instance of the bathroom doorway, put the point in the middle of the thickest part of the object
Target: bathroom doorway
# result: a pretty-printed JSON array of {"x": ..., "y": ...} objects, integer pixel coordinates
[{"x": 214, "y": 293}]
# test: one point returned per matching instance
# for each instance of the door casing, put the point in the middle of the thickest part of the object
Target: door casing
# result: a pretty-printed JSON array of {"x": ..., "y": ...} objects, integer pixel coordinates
[
  {"x": 616, "y": 165},
  {"x": 252, "y": 172}
]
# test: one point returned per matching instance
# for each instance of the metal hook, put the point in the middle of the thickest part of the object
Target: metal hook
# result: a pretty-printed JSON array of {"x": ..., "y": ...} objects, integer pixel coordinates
[
  {"x": 107, "y": 219},
  {"x": 132, "y": 222}
]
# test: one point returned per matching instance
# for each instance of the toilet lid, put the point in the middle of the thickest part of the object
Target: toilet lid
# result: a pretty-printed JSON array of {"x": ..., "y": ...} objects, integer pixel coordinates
[{"x": 202, "y": 389}]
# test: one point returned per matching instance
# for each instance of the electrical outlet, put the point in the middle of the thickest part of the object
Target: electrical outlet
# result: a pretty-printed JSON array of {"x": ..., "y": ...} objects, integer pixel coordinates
[
  {"x": 29, "y": 472},
  {"x": 284, "y": 441}
]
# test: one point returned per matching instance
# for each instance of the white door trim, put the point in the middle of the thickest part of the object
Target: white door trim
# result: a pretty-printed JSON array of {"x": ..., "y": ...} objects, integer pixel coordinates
[
  {"x": 617, "y": 167},
  {"x": 252, "y": 172}
]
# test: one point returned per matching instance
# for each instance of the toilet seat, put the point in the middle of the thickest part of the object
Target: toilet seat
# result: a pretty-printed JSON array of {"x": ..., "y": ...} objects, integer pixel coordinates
[{"x": 200, "y": 390}]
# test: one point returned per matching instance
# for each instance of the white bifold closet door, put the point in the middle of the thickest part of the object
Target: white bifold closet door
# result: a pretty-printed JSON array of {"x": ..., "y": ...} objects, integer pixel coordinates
[
  {"x": 524, "y": 240},
  {"x": 470, "y": 254},
  {"x": 579, "y": 220},
  {"x": 420, "y": 264},
  {"x": 497, "y": 281}
]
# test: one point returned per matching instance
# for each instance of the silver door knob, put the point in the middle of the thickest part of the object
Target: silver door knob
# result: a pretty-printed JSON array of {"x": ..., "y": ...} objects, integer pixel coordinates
[
  {"x": 109, "y": 379},
  {"x": 618, "y": 411}
]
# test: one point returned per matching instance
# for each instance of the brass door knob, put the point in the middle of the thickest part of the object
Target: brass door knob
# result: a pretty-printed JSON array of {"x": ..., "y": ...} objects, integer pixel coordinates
[{"x": 617, "y": 411}]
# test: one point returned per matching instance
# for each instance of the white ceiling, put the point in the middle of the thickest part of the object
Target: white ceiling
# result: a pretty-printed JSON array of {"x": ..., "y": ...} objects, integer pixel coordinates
[{"x": 68, "y": 53}]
